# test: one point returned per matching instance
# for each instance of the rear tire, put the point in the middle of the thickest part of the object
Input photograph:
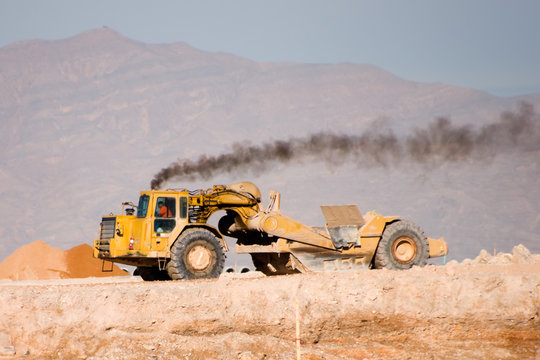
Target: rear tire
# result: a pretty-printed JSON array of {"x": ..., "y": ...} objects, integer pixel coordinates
[
  {"x": 196, "y": 254},
  {"x": 402, "y": 246}
]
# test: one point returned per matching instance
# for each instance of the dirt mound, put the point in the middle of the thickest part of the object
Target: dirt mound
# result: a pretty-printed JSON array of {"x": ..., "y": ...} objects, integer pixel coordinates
[
  {"x": 520, "y": 255},
  {"x": 488, "y": 307},
  {"x": 39, "y": 261},
  {"x": 34, "y": 261},
  {"x": 434, "y": 312}
]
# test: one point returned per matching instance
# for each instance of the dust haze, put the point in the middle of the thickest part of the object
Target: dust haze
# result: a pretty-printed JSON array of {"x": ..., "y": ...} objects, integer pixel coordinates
[{"x": 439, "y": 142}]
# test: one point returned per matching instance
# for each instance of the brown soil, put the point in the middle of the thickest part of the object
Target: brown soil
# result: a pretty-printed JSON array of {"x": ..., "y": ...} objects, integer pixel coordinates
[
  {"x": 39, "y": 261},
  {"x": 483, "y": 308}
]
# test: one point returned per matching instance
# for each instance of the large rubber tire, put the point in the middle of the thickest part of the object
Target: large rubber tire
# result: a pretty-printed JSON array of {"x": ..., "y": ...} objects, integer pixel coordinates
[
  {"x": 151, "y": 273},
  {"x": 196, "y": 254},
  {"x": 402, "y": 246}
]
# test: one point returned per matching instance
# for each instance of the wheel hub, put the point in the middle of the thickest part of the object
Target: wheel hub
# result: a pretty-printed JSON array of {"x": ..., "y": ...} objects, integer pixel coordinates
[
  {"x": 199, "y": 258},
  {"x": 404, "y": 250}
]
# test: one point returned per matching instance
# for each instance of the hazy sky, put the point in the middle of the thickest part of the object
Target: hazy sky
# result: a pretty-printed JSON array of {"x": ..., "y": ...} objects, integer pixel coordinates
[{"x": 492, "y": 45}]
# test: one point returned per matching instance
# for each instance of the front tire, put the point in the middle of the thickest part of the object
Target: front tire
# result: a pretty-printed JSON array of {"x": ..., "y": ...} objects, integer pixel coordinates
[
  {"x": 196, "y": 254},
  {"x": 402, "y": 246}
]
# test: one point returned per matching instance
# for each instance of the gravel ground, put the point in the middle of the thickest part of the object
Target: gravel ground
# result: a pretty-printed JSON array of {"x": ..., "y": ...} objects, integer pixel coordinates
[{"x": 487, "y": 307}]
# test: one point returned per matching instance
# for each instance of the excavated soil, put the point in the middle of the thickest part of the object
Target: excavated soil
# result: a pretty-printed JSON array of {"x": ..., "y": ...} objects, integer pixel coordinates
[
  {"x": 482, "y": 308},
  {"x": 39, "y": 261}
]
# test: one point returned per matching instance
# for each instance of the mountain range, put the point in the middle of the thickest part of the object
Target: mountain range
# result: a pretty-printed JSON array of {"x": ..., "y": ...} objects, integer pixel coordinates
[{"x": 88, "y": 121}]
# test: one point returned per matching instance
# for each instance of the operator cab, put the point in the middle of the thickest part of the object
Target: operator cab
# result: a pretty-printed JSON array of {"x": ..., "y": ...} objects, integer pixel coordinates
[{"x": 164, "y": 210}]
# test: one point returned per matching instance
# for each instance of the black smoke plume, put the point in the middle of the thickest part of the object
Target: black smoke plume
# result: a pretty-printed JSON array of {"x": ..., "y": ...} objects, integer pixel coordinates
[{"x": 440, "y": 141}]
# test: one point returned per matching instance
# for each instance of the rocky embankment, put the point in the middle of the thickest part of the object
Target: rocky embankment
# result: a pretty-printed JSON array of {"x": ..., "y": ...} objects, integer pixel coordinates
[{"x": 486, "y": 307}]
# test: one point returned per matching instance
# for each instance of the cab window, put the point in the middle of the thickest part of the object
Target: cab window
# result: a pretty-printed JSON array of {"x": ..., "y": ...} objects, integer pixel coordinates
[
  {"x": 142, "y": 209},
  {"x": 165, "y": 213},
  {"x": 183, "y": 207},
  {"x": 165, "y": 207},
  {"x": 164, "y": 225}
]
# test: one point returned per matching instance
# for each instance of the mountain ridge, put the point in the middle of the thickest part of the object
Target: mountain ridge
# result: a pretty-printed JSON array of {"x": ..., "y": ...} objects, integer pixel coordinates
[{"x": 89, "y": 120}]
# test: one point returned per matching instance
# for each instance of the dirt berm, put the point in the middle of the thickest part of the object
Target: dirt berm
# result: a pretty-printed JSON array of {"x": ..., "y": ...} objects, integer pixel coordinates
[{"x": 485, "y": 308}]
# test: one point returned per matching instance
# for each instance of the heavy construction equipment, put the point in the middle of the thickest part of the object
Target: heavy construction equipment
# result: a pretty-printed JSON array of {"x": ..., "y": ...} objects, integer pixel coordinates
[{"x": 167, "y": 236}]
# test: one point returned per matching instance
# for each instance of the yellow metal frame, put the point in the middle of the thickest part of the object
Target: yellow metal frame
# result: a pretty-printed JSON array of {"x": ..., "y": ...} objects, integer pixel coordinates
[{"x": 135, "y": 240}]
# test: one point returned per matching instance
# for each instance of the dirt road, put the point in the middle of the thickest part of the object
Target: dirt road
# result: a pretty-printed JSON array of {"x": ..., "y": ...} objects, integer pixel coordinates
[{"x": 457, "y": 311}]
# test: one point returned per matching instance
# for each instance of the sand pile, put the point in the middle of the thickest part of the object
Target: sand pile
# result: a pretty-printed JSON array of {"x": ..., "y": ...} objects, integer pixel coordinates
[{"x": 39, "y": 261}]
